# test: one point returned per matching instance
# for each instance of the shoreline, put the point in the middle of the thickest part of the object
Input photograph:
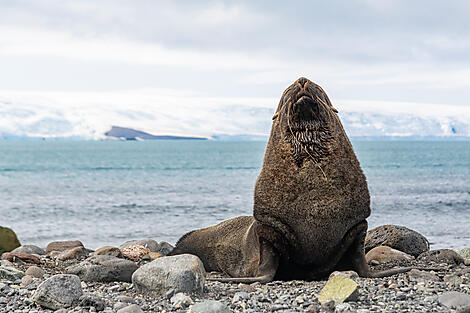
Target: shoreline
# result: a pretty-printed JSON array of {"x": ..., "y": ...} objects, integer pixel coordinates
[{"x": 415, "y": 291}]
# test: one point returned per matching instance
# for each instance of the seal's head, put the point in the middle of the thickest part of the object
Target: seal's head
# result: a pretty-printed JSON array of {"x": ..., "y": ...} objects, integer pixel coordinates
[{"x": 306, "y": 119}]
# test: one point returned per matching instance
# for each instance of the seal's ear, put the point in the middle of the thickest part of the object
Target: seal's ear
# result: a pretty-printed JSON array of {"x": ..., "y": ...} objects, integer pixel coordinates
[{"x": 275, "y": 115}]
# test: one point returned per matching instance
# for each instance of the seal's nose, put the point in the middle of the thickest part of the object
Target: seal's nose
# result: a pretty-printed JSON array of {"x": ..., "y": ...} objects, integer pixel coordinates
[{"x": 302, "y": 81}]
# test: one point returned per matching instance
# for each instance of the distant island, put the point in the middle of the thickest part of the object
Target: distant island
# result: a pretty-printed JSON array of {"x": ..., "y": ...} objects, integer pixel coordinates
[{"x": 132, "y": 134}]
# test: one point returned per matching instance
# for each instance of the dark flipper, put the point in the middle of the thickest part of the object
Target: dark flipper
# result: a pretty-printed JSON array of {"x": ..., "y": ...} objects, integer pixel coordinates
[{"x": 269, "y": 262}]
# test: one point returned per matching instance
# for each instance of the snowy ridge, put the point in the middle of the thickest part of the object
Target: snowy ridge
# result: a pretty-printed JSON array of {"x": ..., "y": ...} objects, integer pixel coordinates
[{"x": 165, "y": 112}]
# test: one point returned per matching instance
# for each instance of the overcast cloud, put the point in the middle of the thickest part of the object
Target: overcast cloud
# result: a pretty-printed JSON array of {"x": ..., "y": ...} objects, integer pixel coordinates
[{"x": 372, "y": 51}]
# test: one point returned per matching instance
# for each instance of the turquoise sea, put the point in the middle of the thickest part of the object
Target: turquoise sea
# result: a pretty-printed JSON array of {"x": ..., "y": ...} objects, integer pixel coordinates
[{"x": 107, "y": 192}]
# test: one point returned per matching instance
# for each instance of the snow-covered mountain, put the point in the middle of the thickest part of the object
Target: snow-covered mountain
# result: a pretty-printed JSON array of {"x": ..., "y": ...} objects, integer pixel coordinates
[{"x": 165, "y": 112}]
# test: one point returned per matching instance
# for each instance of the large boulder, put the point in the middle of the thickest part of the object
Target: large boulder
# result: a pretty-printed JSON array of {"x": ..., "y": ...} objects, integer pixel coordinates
[
  {"x": 104, "y": 268},
  {"x": 59, "y": 291},
  {"x": 8, "y": 240},
  {"x": 183, "y": 273},
  {"x": 61, "y": 246},
  {"x": 397, "y": 237}
]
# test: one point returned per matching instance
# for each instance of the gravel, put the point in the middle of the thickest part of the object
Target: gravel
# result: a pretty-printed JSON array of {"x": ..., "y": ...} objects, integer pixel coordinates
[{"x": 399, "y": 293}]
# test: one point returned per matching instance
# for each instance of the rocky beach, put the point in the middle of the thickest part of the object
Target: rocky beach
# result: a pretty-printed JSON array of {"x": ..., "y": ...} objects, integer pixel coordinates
[{"x": 137, "y": 276}]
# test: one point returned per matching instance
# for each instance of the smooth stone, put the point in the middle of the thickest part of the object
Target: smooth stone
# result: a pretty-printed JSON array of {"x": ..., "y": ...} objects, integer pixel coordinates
[
  {"x": 72, "y": 254},
  {"x": 8, "y": 240},
  {"x": 119, "y": 305},
  {"x": 109, "y": 250},
  {"x": 126, "y": 299},
  {"x": 165, "y": 248},
  {"x": 28, "y": 258},
  {"x": 454, "y": 299},
  {"x": 418, "y": 275},
  {"x": 148, "y": 243},
  {"x": 348, "y": 274},
  {"x": 464, "y": 252},
  {"x": 442, "y": 256},
  {"x": 35, "y": 271},
  {"x": 90, "y": 300},
  {"x": 10, "y": 273},
  {"x": 180, "y": 300},
  {"x": 385, "y": 254},
  {"x": 63, "y": 245},
  {"x": 184, "y": 273},
  {"x": 133, "y": 308},
  {"x": 397, "y": 237},
  {"x": 339, "y": 289},
  {"x": 59, "y": 291},
  {"x": 104, "y": 268},
  {"x": 30, "y": 249},
  {"x": 135, "y": 253},
  {"x": 26, "y": 280},
  {"x": 209, "y": 306}
]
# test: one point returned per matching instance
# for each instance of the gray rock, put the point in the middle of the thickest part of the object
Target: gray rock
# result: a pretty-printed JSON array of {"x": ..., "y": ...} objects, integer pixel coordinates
[
  {"x": 464, "y": 252},
  {"x": 59, "y": 291},
  {"x": 63, "y": 245},
  {"x": 238, "y": 296},
  {"x": 72, "y": 254},
  {"x": 35, "y": 271},
  {"x": 10, "y": 273},
  {"x": 442, "y": 256},
  {"x": 26, "y": 280},
  {"x": 165, "y": 248},
  {"x": 184, "y": 273},
  {"x": 119, "y": 305},
  {"x": 148, "y": 243},
  {"x": 30, "y": 249},
  {"x": 133, "y": 308},
  {"x": 104, "y": 268},
  {"x": 454, "y": 299},
  {"x": 90, "y": 300},
  {"x": 397, "y": 237},
  {"x": 180, "y": 300},
  {"x": 418, "y": 275},
  {"x": 209, "y": 306}
]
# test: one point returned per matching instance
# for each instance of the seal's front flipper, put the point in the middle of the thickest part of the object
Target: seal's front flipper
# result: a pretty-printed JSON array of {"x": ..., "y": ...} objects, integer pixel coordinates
[{"x": 269, "y": 262}]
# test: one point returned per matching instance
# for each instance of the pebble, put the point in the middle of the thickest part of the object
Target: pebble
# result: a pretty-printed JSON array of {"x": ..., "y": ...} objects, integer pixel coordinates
[
  {"x": 398, "y": 293},
  {"x": 133, "y": 308},
  {"x": 180, "y": 300},
  {"x": 210, "y": 306},
  {"x": 35, "y": 271},
  {"x": 454, "y": 299}
]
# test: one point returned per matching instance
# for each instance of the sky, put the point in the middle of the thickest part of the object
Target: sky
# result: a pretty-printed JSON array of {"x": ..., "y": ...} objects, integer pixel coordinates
[{"x": 192, "y": 59}]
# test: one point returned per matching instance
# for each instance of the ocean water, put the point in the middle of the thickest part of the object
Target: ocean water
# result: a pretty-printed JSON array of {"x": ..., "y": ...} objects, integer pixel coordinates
[{"x": 107, "y": 192}]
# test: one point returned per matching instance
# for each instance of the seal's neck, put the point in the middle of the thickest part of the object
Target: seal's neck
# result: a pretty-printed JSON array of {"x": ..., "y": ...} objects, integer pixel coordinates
[{"x": 309, "y": 141}]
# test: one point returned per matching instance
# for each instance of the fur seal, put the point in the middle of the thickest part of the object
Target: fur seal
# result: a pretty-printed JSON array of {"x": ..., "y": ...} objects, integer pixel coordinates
[{"x": 311, "y": 202}]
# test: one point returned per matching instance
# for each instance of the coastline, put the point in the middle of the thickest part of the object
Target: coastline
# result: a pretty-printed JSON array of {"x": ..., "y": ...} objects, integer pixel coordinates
[{"x": 415, "y": 291}]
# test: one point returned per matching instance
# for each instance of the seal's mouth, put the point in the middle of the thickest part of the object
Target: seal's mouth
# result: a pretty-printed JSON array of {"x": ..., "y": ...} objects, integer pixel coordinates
[{"x": 305, "y": 108}]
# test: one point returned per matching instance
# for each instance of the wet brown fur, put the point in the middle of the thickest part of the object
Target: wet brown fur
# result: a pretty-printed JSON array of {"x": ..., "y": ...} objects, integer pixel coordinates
[{"x": 311, "y": 202}]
